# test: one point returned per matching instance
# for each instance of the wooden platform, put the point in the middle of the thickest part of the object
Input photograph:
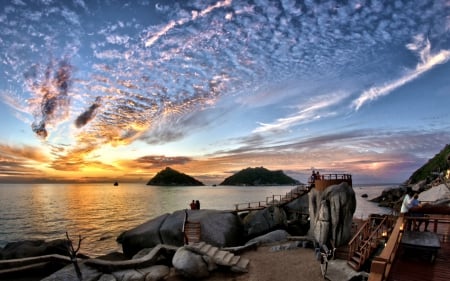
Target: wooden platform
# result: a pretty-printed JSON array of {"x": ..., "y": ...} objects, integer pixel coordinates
[{"x": 418, "y": 268}]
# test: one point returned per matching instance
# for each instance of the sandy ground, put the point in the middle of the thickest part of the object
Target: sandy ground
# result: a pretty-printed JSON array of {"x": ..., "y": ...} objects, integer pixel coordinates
[{"x": 265, "y": 265}]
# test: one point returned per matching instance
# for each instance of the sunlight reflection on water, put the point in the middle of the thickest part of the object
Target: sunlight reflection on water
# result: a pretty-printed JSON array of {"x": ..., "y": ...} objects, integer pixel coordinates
[{"x": 101, "y": 212}]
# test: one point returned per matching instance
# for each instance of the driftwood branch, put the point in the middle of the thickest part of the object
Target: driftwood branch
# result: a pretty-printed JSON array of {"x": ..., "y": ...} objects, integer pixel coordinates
[{"x": 73, "y": 254}]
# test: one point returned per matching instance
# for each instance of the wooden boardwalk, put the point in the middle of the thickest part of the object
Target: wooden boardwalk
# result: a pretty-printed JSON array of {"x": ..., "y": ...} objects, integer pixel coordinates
[{"x": 274, "y": 200}]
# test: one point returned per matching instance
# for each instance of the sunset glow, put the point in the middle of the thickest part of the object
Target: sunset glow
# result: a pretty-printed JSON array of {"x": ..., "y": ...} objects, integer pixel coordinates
[{"x": 119, "y": 90}]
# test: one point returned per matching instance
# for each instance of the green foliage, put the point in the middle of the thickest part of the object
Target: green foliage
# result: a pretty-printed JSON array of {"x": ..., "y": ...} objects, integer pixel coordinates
[
  {"x": 170, "y": 177},
  {"x": 438, "y": 163},
  {"x": 259, "y": 176}
]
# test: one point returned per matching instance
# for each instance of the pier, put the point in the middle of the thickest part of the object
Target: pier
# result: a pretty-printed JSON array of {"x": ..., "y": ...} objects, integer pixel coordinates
[{"x": 274, "y": 200}]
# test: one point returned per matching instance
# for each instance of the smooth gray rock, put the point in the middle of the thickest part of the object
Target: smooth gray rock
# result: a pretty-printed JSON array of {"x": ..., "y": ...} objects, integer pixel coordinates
[
  {"x": 68, "y": 274},
  {"x": 218, "y": 228},
  {"x": 271, "y": 237},
  {"x": 143, "y": 236},
  {"x": 189, "y": 264},
  {"x": 129, "y": 275},
  {"x": 331, "y": 213},
  {"x": 107, "y": 277},
  {"x": 156, "y": 272},
  {"x": 262, "y": 221},
  {"x": 33, "y": 248}
]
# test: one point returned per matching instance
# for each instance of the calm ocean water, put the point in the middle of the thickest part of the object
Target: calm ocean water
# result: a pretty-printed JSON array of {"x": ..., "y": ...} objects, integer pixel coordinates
[{"x": 100, "y": 212}]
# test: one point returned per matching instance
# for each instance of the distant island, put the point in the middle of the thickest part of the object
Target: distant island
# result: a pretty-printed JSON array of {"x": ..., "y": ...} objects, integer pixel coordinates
[
  {"x": 171, "y": 177},
  {"x": 259, "y": 176}
]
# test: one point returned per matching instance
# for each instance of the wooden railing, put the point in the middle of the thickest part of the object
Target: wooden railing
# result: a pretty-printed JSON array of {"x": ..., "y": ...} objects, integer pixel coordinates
[
  {"x": 381, "y": 265},
  {"x": 274, "y": 200},
  {"x": 366, "y": 240},
  {"x": 325, "y": 180}
]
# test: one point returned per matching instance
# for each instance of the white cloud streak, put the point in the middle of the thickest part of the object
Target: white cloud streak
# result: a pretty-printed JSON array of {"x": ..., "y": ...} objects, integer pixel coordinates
[
  {"x": 428, "y": 61},
  {"x": 315, "y": 109},
  {"x": 149, "y": 42}
]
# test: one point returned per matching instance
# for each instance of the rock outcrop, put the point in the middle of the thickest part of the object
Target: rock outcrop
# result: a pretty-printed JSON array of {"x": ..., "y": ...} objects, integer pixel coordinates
[
  {"x": 33, "y": 248},
  {"x": 262, "y": 221},
  {"x": 218, "y": 228},
  {"x": 331, "y": 213},
  {"x": 259, "y": 176},
  {"x": 171, "y": 177}
]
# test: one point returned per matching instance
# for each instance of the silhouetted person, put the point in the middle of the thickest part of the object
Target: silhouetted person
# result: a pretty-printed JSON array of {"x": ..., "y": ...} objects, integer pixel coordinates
[
  {"x": 193, "y": 205},
  {"x": 197, "y": 205}
]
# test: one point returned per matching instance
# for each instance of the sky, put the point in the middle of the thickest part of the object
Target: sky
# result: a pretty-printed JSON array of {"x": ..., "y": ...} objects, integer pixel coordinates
[{"x": 108, "y": 90}]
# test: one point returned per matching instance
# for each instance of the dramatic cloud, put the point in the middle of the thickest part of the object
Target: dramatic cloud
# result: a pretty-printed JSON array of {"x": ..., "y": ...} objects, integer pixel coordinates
[
  {"x": 252, "y": 76},
  {"x": 87, "y": 116}
]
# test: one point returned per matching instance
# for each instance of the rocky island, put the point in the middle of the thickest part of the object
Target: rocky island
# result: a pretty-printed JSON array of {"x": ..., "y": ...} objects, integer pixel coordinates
[
  {"x": 259, "y": 176},
  {"x": 171, "y": 177}
]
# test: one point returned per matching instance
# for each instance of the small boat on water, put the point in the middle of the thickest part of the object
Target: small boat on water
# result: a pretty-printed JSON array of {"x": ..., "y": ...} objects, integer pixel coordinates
[{"x": 116, "y": 183}]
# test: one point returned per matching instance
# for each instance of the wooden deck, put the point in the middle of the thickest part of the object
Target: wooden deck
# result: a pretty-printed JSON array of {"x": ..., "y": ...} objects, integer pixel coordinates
[
  {"x": 416, "y": 267},
  {"x": 396, "y": 264}
]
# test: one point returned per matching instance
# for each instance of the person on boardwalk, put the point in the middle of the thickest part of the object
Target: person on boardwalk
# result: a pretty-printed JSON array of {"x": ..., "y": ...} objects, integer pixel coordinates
[
  {"x": 415, "y": 203},
  {"x": 193, "y": 206},
  {"x": 197, "y": 205},
  {"x": 312, "y": 179},
  {"x": 406, "y": 205}
]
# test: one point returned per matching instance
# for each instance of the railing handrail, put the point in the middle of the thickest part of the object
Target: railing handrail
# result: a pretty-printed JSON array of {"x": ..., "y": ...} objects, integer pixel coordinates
[
  {"x": 270, "y": 200},
  {"x": 374, "y": 233}
]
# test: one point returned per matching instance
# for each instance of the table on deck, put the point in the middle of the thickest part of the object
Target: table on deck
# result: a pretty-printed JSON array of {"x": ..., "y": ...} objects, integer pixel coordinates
[{"x": 425, "y": 242}]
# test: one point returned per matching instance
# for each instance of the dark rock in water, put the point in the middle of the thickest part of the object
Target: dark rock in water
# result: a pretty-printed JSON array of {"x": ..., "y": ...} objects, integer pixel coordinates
[
  {"x": 364, "y": 195},
  {"x": 391, "y": 197},
  {"x": 33, "y": 248}
]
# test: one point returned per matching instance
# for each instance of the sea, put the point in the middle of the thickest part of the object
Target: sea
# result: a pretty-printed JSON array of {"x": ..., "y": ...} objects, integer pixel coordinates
[{"x": 101, "y": 212}]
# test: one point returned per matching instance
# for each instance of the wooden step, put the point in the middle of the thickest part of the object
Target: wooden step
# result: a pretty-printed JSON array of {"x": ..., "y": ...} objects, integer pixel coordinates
[
  {"x": 227, "y": 258},
  {"x": 205, "y": 248},
  {"x": 219, "y": 256},
  {"x": 212, "y": 251},
  {"x": 353, "y": 265},
  {"x": 235, "y": 260},
  {"x": 241, "y": 266}
]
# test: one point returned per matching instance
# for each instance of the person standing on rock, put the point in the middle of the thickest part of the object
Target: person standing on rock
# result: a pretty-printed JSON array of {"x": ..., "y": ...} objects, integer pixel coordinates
[
  {"x": 197, "y": 205},
  {"x": 193, "y": 206}
]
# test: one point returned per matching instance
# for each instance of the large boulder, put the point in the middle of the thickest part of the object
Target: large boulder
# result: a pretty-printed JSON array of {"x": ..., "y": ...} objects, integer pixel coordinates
[
  {"x": 262, "y": 221},
  {"x": 331, "y": 213},
  {"x": 33, "y": 248},
  {"x": 271, "y": 237},
  {"x": 190, "y": 264},
  {"x": 218, "y": 228},
  {"x": 143, "y": 236}
]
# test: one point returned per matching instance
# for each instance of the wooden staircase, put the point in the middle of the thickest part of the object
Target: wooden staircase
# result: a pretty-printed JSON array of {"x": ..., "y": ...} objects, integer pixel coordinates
[
  {"x": 367, "y": 239},
  {"x": 191, "y": 230},
  {"x": 220, "y": 257}
]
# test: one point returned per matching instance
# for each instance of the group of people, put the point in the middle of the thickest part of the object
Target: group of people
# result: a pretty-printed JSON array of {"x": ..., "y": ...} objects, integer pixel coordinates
[
  {"x": 314, "y": 176},
  {"x": 195, "y": 205},
  {"x": 411, "y": 200}
]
